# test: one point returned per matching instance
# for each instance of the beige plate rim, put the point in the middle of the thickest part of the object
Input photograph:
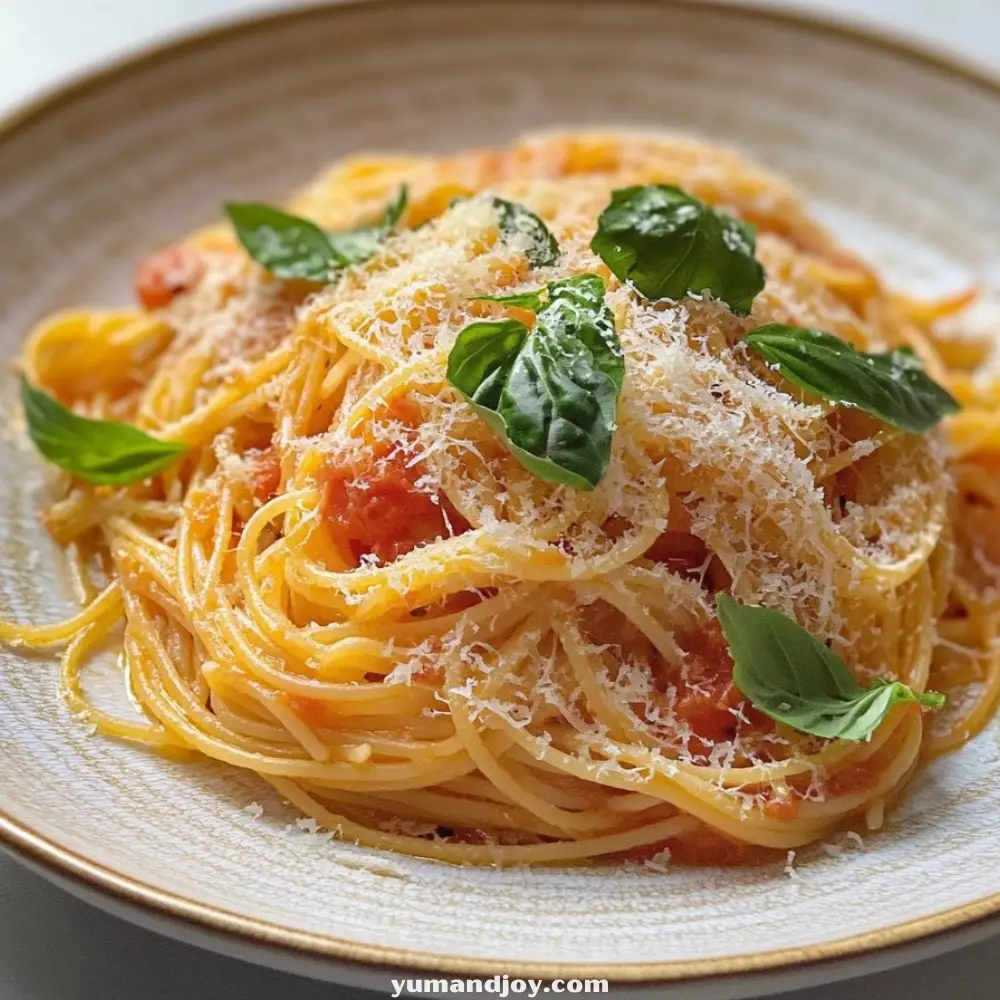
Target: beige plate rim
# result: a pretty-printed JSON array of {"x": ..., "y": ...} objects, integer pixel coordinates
[{"x": 61, "y": 863}]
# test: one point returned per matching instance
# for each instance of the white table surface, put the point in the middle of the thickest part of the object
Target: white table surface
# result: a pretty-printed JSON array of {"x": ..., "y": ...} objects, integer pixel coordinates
[{"x": 53, "y": 947}]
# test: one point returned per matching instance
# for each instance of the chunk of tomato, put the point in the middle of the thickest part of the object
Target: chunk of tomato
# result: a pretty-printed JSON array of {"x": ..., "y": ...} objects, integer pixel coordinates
[
  {"x": 164, "y": 275},
  {"x": 707, "y": 699},
  {"x": 382, "y": 512}
]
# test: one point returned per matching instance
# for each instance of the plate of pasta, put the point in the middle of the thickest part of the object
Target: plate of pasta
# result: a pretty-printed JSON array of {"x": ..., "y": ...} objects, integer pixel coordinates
[{"x": 567, "y": 550}]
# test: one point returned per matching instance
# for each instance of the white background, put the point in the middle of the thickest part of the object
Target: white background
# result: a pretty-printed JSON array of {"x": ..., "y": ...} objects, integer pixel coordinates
[{"x": 53, "y": 947}]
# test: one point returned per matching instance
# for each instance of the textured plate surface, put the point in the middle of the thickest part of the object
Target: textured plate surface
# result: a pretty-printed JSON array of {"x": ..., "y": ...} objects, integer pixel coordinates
[{"x": 897, "y": 153}]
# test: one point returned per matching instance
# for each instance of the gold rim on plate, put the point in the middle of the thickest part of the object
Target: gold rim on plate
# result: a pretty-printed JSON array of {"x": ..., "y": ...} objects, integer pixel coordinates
[{"x": 56, "y": 861}]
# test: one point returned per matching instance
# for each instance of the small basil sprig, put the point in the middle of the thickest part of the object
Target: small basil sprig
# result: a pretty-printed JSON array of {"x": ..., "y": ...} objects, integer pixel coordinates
[
  {"x": 668, "y": 245},
  {"x": 893, "y": 386},
  {"x": 794, "y": 678},
  {"x": 355, "y": 246},
  {"x": 103, "y": 452},
  {"x": 296, "y": 249},
  {"x": 550, "y": 393},
  {"x": 515, "y": 220},
  {"x": 541, "y": 247}
]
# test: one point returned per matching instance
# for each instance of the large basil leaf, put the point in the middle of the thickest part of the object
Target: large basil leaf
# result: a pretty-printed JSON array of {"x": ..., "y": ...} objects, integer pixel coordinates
[
  {"x": 893, "y": 386},
  {"x": 296, "y": 249},
  {"x": 794, "y": 678},
  {"x": 481, "y": 358},
  {"x": 668, "y": 245},
  {"x": 103, "y": 452},
  {"x": 284, "y": 245},
  {"x": 551, "y": 393}
]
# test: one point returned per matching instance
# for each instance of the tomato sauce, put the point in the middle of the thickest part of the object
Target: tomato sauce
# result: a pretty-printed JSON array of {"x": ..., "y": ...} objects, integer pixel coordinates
[
  {"x": 706, "y": 847},
  {"x": 266, "y": 476},
  {"x": 703, "y": 847},
  {"x": 688, "y": 556},
  {"x": 606, "y": 624},
  {"x": 785, "y": 808},
  {"x": 379, "y": 509},
  {"x": 706, "y": 694},
  {"x": 855, "y": 777},
  {"x": 382, "y": 512},
  {"x": 164, "y": 275},
  {"x": 680, "y": 552}
]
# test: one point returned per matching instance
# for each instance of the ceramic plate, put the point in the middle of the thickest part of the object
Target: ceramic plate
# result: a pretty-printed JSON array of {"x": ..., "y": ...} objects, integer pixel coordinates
[{"x": 898, "y": 151}]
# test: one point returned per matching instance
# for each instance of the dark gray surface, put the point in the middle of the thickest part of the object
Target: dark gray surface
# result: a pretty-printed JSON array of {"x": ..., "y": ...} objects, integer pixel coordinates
[{"x": 54, "y": 947}]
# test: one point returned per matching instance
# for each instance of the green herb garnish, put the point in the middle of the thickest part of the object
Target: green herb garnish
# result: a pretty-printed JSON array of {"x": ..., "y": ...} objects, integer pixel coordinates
[
  {"x": 794, "y": 678},
  {"x": 525, "y": 300},
  {"x": 103, "y": 452},
  {"x": 550, "y": 393},
  {"x": 668, "y": 245},
  {"x": 540, "y": 246},
  {"x": 296, "y": 249},
  {"x": 515, "y": 220},
  {"x": 355, "y": 246},
  {"x": 893, "y": 386}
]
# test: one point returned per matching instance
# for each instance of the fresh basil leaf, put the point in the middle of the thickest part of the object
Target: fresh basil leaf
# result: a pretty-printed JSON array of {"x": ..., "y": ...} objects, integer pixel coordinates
[
  {"x": 526, "y": 300},
  {"x": 284, "y": 245},
  {"x": 577, "y": 307},
  {"x": 542, "y": 249},
  {"x": 355, "y": 246},
  {"x": 893, "y": 386},
  {"x": 515, "y": 220},
  {"x": 551, "y": 393},
  {"x": 794, "y": 678},
  {"x": 481, "y": 359},
  {"x": 100, "y": 451},
  {"x": 296, "y": 249},
  {"x": 668, "y": 245}
]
